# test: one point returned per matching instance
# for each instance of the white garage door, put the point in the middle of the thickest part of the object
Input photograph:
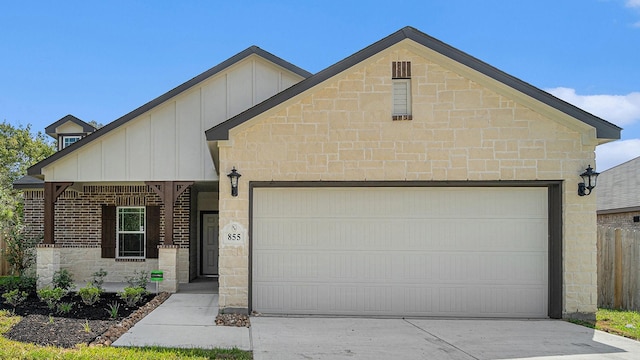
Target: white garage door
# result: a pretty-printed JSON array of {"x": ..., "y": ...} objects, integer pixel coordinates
[{"x": 457, "y": 251}]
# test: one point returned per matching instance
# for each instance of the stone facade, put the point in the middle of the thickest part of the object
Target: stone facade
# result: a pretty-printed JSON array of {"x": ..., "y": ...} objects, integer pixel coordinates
[
  {"x": 342, "y": 130},
  {"x": 78, "y": 231}
]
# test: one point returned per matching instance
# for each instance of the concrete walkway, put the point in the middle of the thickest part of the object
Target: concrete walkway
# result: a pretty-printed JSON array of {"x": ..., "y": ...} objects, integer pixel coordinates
[{"x": 185, "y": 320}]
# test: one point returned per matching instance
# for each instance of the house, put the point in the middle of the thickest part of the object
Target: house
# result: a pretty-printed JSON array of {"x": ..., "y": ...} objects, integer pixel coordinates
[
  {"x": 618, "y": 203},
  {"x": 409, "y": 179},
  {"x": 68, "y": 130}
]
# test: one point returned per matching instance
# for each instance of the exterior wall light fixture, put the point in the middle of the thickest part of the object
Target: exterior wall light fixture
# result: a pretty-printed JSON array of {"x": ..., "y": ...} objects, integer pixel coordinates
[
  {"x": 588, "y": 181},
  {"x": 234, "y": 175}
]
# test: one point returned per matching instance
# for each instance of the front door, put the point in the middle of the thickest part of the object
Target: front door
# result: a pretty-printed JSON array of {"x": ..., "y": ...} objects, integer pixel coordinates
[{"x": 209, "y": 241}]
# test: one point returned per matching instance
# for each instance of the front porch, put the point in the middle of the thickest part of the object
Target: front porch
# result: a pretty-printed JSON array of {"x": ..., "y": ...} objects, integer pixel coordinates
[{"x": 80, "y": 220}]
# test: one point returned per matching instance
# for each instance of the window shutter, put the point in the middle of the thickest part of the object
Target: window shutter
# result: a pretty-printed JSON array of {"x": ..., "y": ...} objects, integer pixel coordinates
[
  {"x": 108, "y": 231},
  {"x": 153, "y": 231}
]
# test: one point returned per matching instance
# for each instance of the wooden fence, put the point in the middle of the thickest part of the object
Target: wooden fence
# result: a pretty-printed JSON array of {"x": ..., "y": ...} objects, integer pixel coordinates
[
  {"x": 4, "y": 265},
  {"x": 618, "y": 268}
]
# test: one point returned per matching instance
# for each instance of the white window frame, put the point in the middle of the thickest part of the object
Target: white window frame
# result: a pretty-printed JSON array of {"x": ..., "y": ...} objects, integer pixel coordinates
[
  {"x": 66, "y": 137},
  {"x": 142, "y": 231},
  {"x": 402, "y": 97}
]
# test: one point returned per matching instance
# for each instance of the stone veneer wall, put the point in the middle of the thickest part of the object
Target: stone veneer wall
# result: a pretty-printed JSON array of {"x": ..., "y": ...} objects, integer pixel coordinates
[
  {"x": 342, "y": 130},
  {"x": 78, "y": 228}
]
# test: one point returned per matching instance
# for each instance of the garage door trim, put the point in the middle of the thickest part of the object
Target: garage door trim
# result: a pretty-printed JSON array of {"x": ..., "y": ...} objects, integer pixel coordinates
[{"x": 554, "y": 191}]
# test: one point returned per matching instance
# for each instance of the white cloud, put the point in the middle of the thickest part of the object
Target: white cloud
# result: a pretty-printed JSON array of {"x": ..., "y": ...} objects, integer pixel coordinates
[
  {"x": 616, "y": 153},
  {"x": 621, "y": 110},
  {"x": 633, "y": 3}
]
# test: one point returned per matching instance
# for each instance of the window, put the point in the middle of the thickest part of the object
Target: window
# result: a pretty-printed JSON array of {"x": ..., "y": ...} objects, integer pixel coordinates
[
  {"x": 130, "y": 231},
  {"x": 401, "y": 78},
  {"x": 67, "y": 140}
]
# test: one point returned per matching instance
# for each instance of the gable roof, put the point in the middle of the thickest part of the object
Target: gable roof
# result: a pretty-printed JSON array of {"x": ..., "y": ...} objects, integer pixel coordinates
[
  {"x": 604, "y": 129},
  {"x": 51, "y": 129},
  {"x": 617, "y": 188},
  {"x": 37, "y": 168}
]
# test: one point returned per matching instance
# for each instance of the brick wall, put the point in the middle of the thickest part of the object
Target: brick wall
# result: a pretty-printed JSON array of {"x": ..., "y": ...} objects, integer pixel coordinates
[
  {"x": 78, "y": 214},
  {"x": 620, "y": 220}
]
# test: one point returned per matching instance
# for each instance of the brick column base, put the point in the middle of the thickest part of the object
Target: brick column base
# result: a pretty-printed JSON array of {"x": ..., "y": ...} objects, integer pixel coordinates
[
  {"x": 47, "y": 263},
  {"x": 168, "y": 263}
]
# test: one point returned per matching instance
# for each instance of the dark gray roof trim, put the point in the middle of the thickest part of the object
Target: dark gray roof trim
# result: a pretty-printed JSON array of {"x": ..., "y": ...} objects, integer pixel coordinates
[
  {"x": 51, "y": 129},
  {"x": 28, "y": 182},
  {"x": 36, "y": 169},
  {"x": 618, "y": 211},
  {"x": 604, "y": 129}
]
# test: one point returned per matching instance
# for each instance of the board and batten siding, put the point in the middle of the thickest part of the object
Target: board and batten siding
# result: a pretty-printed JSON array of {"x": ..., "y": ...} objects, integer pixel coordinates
[{"x": 168, "y": 141}]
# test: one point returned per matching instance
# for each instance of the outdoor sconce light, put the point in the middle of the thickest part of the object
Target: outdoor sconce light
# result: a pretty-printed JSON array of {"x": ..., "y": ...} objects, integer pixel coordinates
[
  {"x": 588, "y": 181},
  {"x": 234, "y": 175}
]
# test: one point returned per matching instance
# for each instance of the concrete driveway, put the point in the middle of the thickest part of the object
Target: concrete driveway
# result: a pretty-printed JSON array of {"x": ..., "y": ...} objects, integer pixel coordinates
[{"x": 357, "y": 338}]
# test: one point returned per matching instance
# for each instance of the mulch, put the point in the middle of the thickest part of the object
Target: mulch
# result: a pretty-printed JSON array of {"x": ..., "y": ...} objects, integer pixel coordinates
[{"x": 84, "y": 324}]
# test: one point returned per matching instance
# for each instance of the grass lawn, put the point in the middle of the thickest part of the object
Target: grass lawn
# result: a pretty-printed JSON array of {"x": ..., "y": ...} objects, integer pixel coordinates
[
  {"x": 619, "y": 322},
  {"x": 16, "y": 350}
]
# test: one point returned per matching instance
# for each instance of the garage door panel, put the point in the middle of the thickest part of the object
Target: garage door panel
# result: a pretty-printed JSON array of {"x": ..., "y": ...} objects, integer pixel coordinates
[{"x": 401, "y": 251}]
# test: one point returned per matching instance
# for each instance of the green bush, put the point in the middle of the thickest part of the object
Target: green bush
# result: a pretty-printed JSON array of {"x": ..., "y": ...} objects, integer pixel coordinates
[
  {"x": 51, "y": 296},
  {"x": 132, "y": 295},
  {"x": 27, "y": 282},
  {"x": 20, "y": 248},
  {"x": 8, "y": 283},
  {"x": 98, "y": 278},
  {"x": 63, "y": 279},
  {"x": 89, "y": 294},
  {"x": 64, "y": 308},
  {"x": 139, "y": 279},
  {"x": 15, "y": 297}
]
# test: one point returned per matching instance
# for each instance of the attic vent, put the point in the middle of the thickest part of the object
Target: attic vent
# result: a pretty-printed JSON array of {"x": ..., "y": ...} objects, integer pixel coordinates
[
  {"x": 401, "y": 70},
  {"x": 401, "y": 78}
]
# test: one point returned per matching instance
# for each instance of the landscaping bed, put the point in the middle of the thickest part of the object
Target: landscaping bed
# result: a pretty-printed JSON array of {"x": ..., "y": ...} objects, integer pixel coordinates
[{"x": 82, "y": 324}]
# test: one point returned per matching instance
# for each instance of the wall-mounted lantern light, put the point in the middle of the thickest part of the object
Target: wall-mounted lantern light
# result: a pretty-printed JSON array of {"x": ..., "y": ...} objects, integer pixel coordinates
[
  {"x": 234, "y": 175},
  {"x": 588, "y": 181}
]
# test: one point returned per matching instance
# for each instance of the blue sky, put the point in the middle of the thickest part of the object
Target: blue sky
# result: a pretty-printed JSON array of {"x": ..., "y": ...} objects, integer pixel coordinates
[{"x": 100, "y": 60}]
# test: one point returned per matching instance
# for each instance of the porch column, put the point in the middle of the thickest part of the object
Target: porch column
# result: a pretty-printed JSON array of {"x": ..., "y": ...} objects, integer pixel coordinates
[
  {"x": 168, "y": 264},
  {"x": 47, "y": 263},
  {"x": 168, "y": 191},
  {"x": 52, "y": 191}
]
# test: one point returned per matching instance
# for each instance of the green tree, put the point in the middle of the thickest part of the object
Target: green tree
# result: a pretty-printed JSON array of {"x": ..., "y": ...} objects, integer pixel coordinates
[{"x": 19, "y": 149}]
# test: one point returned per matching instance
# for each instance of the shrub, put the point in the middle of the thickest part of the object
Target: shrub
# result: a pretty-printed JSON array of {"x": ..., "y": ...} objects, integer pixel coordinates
[
  {"x": 8, "y": 283},
  {"x": 98, "y": 278},
  {"x": 63, "y": 279},
  {"x": 51, "y": 296},
  {"x": 89, "y": 294},
  {"x": 20, "y": 248},
  {"x": 64, "y": 308},
  {"x": 15, "y": 297},
  {"x": 139, "y": 279},
  {"x": 27, "y": 282},
  {"x": 24, "y": 283},
  {"x": 132, "y": 295}
]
